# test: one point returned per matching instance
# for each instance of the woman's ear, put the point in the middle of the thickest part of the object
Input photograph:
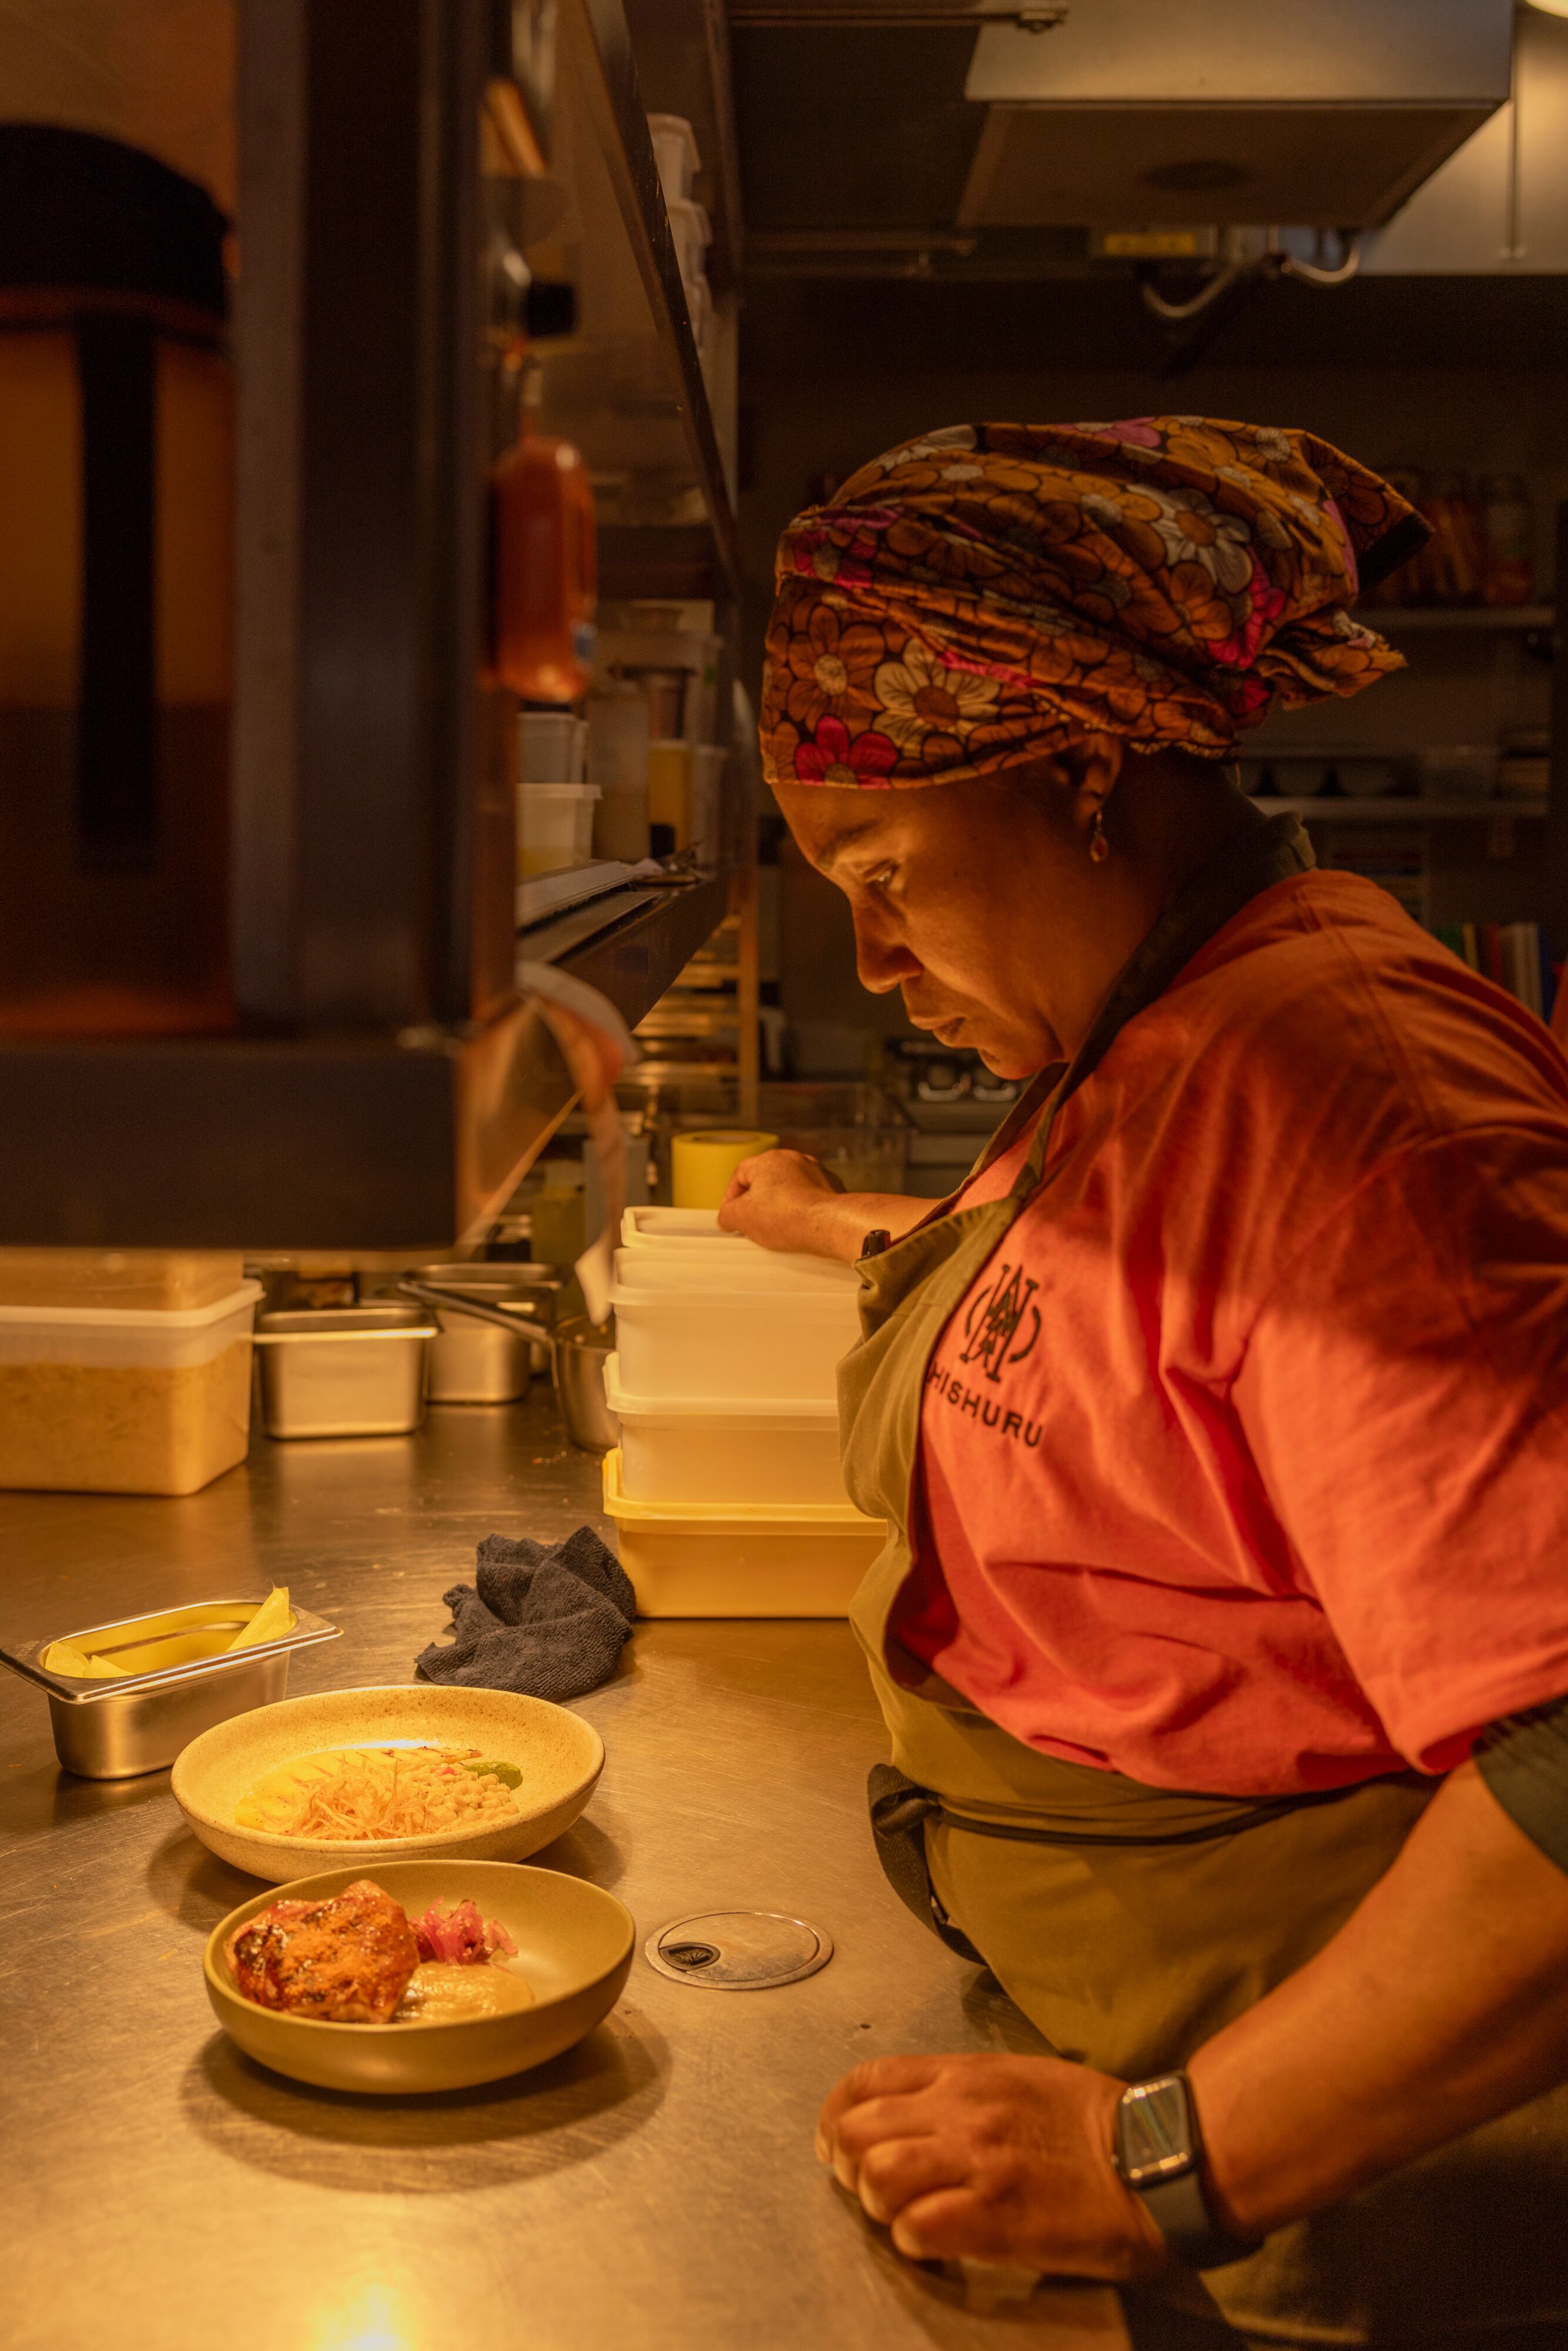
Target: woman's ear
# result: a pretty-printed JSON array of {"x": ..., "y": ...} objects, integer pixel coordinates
[{"x": 1093, "y": 768}]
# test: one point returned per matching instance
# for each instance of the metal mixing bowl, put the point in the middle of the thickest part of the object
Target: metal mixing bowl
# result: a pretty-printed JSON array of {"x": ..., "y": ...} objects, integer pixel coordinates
[{"x": 579, "y": 1352}]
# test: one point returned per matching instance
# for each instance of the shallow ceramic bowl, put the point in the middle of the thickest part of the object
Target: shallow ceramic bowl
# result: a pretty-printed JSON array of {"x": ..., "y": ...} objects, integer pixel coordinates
[
  {"x": 560, "y": 1756},
  {"x": 574, "y": 1946}
]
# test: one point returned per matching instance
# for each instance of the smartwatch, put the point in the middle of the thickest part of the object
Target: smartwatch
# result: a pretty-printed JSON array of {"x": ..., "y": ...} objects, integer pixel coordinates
[{"x": 1159, "y": 2155}]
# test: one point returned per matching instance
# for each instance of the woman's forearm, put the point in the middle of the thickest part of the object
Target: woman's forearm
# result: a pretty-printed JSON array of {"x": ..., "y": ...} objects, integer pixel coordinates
[
  {"x": 786, "y": 1200},
  {"x": 1441, "y": 2003},
  {"x": 844, "y": 1218}
]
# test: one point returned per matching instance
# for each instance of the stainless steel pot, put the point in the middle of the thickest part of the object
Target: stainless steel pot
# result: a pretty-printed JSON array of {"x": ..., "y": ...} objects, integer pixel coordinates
[
  {"x": 483, "y": 1350},
  {"x": 527, "y": 1294},
  {"x": 581, "y": 1349}
]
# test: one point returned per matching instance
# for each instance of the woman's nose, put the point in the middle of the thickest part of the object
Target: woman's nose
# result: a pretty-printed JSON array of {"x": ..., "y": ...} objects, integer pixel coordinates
[{"x": 881, "y": 959}]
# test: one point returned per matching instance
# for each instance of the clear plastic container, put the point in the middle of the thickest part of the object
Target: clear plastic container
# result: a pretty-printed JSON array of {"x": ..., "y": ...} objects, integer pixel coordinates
[
  {"x": 617, "y": 762},
  {"x": 555, "y": 827},
  {"x": 697, "y": 1558},
  {"x": 97, "y": 1400},
  {"x": 753, "y": 1333},
  {"x": 551, "y": 745},
  {"x": 682, "y": 1449},
  {"x": 165, "y": 1280}
]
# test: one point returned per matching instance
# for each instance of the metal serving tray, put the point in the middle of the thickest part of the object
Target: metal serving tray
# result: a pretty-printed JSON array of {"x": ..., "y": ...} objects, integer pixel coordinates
[
  {"x": 343, "y": 1371},
  {"x": 120, "y": 1730}
]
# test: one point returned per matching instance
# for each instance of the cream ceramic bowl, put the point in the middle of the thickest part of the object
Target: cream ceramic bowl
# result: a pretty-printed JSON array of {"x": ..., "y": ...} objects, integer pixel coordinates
[
  {"x": 574, "y": 1947},
  {"x": 560, "y": 1756}
]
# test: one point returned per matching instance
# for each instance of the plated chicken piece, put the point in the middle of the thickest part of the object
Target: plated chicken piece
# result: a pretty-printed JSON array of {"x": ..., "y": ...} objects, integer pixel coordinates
[{"x": 346, "y": 1960}]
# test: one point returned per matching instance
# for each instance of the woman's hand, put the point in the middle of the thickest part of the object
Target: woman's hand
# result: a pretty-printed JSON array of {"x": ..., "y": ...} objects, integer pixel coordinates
[
  {"x": 1004, "y": 2159},
  {"x": 785, "y": 1200}
]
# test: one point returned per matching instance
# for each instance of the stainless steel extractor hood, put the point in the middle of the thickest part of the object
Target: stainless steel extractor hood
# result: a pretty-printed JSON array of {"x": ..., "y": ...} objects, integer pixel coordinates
[{"x": 1315, "y": 113}]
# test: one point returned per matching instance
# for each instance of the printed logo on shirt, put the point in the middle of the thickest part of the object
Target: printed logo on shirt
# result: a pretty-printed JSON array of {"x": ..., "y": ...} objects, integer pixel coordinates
[
  {"x": 987, "y": 1411},
  {"x": 997, "y": 1315}
]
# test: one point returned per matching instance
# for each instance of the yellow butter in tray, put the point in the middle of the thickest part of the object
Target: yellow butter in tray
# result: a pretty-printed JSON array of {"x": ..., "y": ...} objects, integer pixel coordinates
[
  {"x": 272, "y": 1619},
  {"x": 65, "y": 1657}
]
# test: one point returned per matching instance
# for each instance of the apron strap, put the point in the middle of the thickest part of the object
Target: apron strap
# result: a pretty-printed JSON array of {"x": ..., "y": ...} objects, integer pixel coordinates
[{"x": 899, "y": 1811}]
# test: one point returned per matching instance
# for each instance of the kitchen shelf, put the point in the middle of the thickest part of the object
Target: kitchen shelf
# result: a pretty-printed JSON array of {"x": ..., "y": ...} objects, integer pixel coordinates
[
  {"x": 683, "y": 64},
  {"x": 386, "y": 1088},
  {"x": 628, "y": 388},
  {"x": 360, "y": 1142},
  {"x": 1393, "y": 810}
]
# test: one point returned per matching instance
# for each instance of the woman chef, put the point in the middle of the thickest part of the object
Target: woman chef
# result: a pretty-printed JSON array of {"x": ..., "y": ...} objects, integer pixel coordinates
[{"x": 1220, "y": 1422}]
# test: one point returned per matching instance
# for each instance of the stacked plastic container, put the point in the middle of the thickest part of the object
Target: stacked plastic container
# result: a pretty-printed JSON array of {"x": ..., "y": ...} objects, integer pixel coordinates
[
  {"x": 675, "y": 151},
  {"x": 726, "y": 1488},
  {"x": 555, "y": 806},
  {"x": 123, "y": 1372}
]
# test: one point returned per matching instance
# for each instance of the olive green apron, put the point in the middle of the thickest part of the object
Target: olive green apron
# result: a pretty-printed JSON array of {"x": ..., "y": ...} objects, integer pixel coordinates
[{"x": 1130, "y": 1923}]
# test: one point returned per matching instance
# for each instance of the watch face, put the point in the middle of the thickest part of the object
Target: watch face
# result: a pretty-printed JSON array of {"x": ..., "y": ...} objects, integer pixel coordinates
[{"x": 1153, "y": 2131}]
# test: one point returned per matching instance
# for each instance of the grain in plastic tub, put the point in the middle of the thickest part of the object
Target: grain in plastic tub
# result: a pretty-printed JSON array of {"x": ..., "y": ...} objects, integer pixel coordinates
[{"x": 105, "y": 1400}]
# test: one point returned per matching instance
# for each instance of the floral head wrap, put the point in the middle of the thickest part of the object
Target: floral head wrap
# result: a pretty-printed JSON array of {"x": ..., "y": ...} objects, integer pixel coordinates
[{"x": 979, "y": 597}]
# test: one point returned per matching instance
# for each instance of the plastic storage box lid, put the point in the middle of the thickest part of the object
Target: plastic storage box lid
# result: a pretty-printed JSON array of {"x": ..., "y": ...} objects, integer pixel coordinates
[{"x": 130, "y": 1317}]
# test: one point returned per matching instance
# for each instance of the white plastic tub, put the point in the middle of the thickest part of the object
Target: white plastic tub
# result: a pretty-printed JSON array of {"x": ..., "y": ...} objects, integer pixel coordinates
[
  {"x": 676, "y": 153},
  {"x": 693, "y": 233},
  {"x": 717, "y": 1449},
  {"x": 753, "y": 1334},
  {"x": 555, "y": 827},
  {"x": 112, "y": 1400},
  {"x": 695, "y": 1559}
]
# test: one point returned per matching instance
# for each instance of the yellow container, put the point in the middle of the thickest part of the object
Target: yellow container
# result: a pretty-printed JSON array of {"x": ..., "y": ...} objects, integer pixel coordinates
[
  {"x": 701, "y": 1164},
  {"x": 729, "y": 1559},
  {"x": 669, "y": 788}
]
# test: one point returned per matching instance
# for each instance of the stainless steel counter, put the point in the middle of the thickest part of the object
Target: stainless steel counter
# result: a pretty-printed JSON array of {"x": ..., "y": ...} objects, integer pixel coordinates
[{"x": 653, "y": 2190}]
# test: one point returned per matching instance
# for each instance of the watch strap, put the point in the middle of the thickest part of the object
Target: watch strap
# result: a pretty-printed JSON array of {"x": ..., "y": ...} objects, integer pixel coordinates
[{"x": 1179, "y": 2210}]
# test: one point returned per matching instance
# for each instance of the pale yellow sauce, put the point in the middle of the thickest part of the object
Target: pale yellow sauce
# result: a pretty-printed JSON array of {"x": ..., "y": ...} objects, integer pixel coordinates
[{"x": 441, "y": 1992}]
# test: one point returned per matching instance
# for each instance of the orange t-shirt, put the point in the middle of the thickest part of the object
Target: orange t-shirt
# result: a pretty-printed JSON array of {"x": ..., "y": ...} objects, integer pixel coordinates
[{"x": 1244, "y": 1464}]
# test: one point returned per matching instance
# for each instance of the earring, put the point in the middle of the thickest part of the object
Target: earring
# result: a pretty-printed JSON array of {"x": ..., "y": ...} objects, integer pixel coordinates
[{"x": 1099, "y": 847}]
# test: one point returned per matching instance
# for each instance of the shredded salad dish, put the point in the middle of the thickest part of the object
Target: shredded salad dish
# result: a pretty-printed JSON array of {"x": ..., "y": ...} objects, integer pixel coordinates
[{"x": 358, "y": 1793}]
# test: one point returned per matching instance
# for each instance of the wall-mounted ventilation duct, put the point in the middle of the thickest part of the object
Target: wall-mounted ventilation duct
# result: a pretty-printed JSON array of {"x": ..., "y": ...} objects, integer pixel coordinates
[{"x": 1322, "y": 113}]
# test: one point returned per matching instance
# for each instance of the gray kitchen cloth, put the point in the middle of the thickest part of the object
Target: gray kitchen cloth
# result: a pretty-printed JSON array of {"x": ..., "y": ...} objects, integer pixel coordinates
[{"x": 547, "y": 1620}]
